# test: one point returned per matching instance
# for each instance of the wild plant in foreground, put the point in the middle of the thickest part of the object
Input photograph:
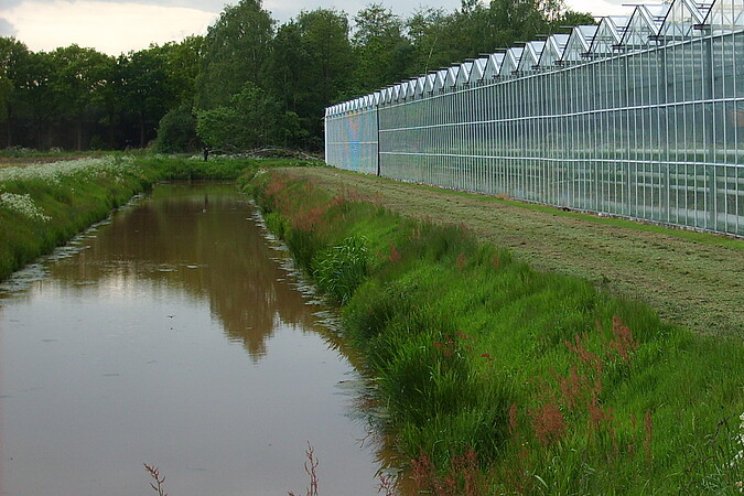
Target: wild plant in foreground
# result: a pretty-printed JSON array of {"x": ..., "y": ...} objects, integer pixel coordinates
[
  {"x": 159, "y": 485},
  {"x": 311, "y": 469},
  {"x": 462, "y": 478}
]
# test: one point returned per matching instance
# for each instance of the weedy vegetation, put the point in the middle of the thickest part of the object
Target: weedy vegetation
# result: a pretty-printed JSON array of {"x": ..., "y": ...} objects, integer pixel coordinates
[{"x": 498, "y": 379}]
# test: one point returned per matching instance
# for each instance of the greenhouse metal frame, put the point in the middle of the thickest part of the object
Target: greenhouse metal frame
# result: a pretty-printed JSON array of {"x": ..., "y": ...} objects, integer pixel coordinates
[{"x": 639, "y": 116}]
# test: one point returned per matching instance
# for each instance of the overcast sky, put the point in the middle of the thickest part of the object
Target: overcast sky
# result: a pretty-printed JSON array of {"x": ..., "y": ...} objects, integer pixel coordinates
[{"x": 116, "y": 26}]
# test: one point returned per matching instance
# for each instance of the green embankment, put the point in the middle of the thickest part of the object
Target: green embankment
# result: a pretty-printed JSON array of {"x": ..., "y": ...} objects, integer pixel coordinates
[
  {"x": 499, "y": 379},
  {"x": 42, "y": 205}
]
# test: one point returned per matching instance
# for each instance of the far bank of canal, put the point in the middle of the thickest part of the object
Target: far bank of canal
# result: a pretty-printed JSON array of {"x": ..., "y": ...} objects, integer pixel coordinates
[{"x": 172, "y": 336}]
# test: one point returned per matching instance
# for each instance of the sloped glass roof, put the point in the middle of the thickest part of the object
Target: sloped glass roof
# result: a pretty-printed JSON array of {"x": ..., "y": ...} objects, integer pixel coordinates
[
  {"x": 578, "y": 44},
  {"x": 431, "y": 80},
  {"x": 726, "y": 16},
  {"x": 608, "y": 35},
  {"x": 463, "y": 75},
  {"x": 493, "y": 66},
  {"x": 477, "y": 70},
  {"x": 412, "y": 88},
  {"x": 396, "y": 93},
  {"x": 648, "y": 25},
  {"x": 511, "y": 61},
  {"x": 681, "y": 20},
  {"x": 451, "y": 78},
  {"x": 441, "y": 76},
  {"x": 420, "y": 85},
  {"x": 530, "y": 56},
  {"x": 644, "y": 25},
  {"x": 553, "y": 51}
]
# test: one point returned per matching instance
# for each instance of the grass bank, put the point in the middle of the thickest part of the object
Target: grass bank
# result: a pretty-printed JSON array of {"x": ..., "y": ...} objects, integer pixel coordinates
[
  {"x": 44, "y": 204},
  {"x": 500, "y": 379},
  {"x": 693, "y": 279}
]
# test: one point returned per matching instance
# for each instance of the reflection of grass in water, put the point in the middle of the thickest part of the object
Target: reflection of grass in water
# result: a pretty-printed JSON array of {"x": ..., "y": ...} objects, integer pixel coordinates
[{"x": 555, "y": 386}]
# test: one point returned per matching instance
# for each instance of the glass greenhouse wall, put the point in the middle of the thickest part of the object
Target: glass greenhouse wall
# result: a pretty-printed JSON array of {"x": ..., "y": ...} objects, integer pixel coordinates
[{"x": 641, "y": 116}]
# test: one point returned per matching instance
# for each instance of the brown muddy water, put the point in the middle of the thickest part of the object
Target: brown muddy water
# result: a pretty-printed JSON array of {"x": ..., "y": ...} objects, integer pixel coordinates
[{"x": 173, "y": 334}]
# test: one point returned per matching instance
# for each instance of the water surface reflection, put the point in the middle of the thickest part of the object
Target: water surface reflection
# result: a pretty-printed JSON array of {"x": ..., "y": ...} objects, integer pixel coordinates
[{"x": 119, "y": 356}]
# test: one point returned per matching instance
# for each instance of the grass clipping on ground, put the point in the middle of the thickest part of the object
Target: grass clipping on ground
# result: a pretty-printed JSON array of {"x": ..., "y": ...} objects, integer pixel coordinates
[{"x": 500, "y": 379}]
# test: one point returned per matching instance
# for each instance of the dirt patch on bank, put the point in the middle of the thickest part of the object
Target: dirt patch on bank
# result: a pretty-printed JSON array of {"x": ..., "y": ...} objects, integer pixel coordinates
[{"x": 693, "y": 280}]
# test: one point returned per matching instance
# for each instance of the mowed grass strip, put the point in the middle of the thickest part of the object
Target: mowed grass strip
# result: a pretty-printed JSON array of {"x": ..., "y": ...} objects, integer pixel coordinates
[{"x": 501, "y": 379}]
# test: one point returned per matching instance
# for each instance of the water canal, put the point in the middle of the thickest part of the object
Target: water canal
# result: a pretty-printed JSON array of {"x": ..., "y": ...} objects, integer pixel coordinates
[{"x": 172, "y": 335}]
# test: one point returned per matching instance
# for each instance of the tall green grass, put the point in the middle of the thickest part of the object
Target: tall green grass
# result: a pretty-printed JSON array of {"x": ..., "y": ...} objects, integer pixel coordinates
[{"x": 553, "y": 386}]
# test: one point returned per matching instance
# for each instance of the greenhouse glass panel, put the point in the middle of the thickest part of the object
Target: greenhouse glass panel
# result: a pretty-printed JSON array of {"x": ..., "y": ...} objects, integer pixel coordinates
[
  {"x": 553, "y": 51},
  {"x": 608, "y": 36},
  {"x": 477, "y": 71},
  {"x": 530, "y": 57},
  {"x": 510, "y": 64},
  {"x": 493, "y": 67},
  {"x": 683, "y": 18},
  {"x": 643, "y": 27},
  {"x": 611, "y": 123}
]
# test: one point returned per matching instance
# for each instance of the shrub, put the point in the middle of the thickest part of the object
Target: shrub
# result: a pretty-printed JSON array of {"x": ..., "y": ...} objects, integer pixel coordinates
[{"x": 177, "y": 131}]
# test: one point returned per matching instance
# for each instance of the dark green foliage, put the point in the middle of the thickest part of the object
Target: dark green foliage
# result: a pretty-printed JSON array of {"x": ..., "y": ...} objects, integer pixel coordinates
[
  {"x": 77, "y": 98},
  {"x": 177, "y": 131},
  {"x": 236, "y": 50},
  {"x": 250, "y": 119}
]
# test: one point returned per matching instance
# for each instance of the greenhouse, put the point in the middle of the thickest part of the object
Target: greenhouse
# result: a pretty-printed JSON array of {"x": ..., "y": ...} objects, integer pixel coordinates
[{"x": 639, "y": 116}]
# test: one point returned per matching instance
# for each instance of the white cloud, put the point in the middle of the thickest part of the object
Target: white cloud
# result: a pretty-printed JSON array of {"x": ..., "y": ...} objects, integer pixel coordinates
[
  {"x": 109, "y": 27},
  {"x": 599, "y": 7}
]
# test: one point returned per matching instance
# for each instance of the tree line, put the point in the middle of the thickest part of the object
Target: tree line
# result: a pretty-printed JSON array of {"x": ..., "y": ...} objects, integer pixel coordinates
[{"x": 249, "y": 81}]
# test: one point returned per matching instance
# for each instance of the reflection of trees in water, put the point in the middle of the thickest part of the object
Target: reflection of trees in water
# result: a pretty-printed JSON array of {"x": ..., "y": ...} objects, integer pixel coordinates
[{"x": 160, "y": 238}]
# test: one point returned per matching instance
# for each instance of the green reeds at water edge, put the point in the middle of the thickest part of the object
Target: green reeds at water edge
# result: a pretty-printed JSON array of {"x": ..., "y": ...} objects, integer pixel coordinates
[{"x": 499, "y": 379}]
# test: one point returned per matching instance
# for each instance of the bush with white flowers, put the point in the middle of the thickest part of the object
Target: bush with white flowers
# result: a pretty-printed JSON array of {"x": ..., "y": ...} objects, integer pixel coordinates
[
  {"x": 53, "y": 172},
  {"x": 22, "y": 204}
]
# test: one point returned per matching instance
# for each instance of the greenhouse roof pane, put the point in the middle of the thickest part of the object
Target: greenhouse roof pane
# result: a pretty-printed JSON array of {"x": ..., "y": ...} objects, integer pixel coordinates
[
  {"x": 578, "y": 44},
  {"x": 609, "y": 33},
  {"x": 463, "y": 74},
  {"x": 439, "y": 81},
  {"x": 726, "y": 16},
  {"x": 420, "y": 85},
  {"x": 477, "y": 70},
  {"x": 493, "y": 66},
  {"x": 431, "y": 79},
  {"x": 644, "y": 25},
  {"x": 530, "y": 56},
  {"x": 511, "y": 61},
  {"x": 681, "y": 20},
  {"x": 412, "y": 88},
  {"x": 553, "y": 51},
  {"x": 396, "y": 93},
  {"x": 387, "y": 94},
  {"x": 451, "y": 78}
]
